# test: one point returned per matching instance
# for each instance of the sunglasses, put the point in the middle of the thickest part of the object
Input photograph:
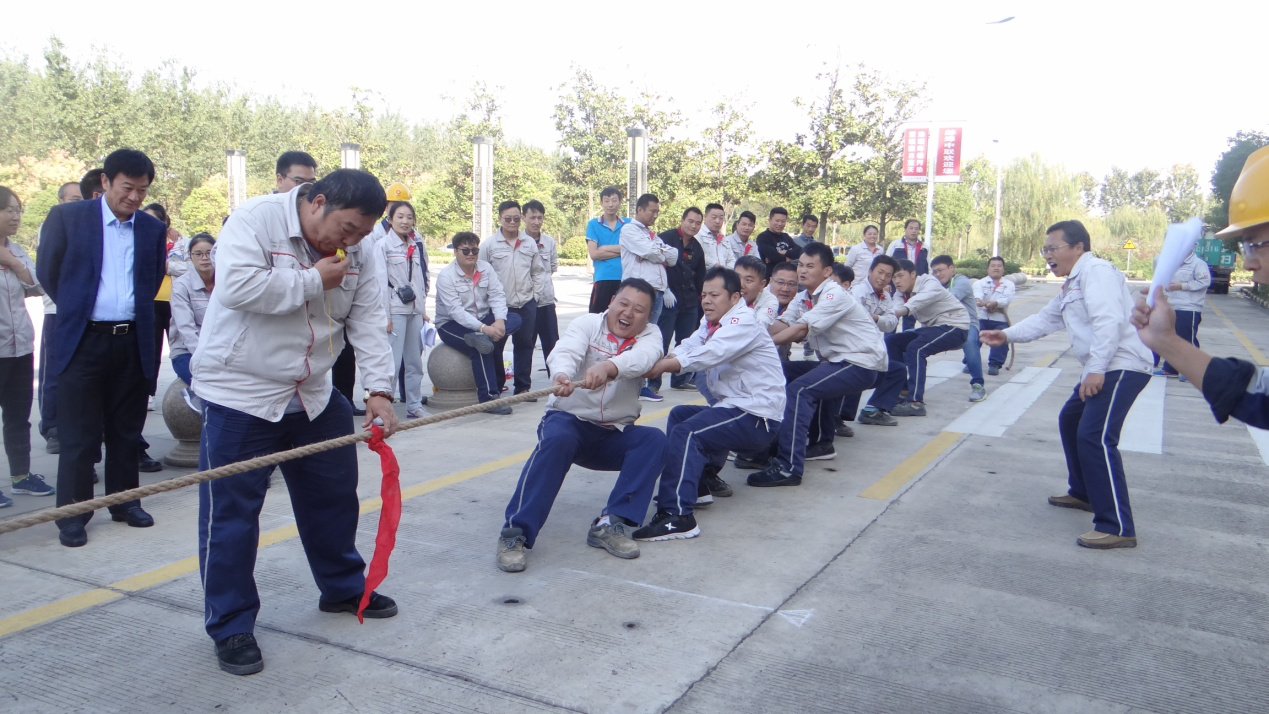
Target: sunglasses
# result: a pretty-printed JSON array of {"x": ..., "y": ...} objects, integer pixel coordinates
[{"x": 468, "y": 251}]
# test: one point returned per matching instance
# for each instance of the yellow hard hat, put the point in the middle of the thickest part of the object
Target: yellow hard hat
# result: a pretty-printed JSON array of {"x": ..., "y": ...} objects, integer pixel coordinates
[
  {"x": 1249, "y": 201},
  {"x": 398, "y": 192}
]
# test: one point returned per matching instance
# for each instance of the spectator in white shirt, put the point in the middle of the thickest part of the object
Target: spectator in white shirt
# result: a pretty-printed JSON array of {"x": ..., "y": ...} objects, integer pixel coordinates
[
  {"x": 514, "y": 257},
  {"x": 1186, "y": 294},
  {"x": 860, "y": 256},
  {"x": 548, "y": 325},
  {"x": 645, "y": 256},
  {"x": 713, "y": 243},
  {"x": 993, "y": 294},
  {"x": 405, "y": 295},
  {"x": 739, "y": 241}
]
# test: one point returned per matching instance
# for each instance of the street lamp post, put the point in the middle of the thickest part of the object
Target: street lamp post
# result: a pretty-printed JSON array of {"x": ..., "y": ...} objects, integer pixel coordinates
[
  {"x": 637, "y": 165},
  {"x": 350, "y": 155},
  {"x": 995, "y": 234}
]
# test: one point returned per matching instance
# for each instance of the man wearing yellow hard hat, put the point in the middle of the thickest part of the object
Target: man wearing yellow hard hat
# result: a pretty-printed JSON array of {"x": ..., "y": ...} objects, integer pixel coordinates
[{"x": 1232, "y": 387}]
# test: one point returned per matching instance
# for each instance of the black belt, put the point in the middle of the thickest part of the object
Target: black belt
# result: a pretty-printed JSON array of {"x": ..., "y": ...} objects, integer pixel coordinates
[{"x": 112, "y": 328}]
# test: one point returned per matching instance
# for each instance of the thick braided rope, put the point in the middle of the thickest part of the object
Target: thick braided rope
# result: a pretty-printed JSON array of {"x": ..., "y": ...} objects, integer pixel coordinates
[{"x": 75, "y": 509}]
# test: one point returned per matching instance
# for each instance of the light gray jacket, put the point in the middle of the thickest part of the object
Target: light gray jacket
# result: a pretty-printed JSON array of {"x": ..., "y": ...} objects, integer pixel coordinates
[{"x": 586, "y": 343}]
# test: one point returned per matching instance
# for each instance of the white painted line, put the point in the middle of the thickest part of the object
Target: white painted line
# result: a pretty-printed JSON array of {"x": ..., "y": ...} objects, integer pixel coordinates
[
  {"x": 1143, "y": 429},
  {"x": 1006, "y": 404},
  {"x": 672, "y": 591},
  {"x": 1261, "y": 437}
]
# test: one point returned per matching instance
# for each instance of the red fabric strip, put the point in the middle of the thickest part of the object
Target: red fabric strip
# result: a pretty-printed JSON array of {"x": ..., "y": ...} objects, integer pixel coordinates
[{"x": 389, "y": 516}]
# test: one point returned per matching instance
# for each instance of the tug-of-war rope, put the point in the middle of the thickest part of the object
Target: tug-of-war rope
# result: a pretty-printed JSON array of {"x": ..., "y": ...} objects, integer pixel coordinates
[{"x": 52, "y": 514}]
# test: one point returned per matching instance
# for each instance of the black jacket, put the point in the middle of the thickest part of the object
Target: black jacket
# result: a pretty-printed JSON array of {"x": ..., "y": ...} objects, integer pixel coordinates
[
  {"x": 686, "y": 277},
  {"x": 771, "y": 243}
]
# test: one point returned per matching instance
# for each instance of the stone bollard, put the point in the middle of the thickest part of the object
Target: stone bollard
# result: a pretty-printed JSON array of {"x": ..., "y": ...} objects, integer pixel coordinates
[
  {"x": 452, "y": 380},
  {"x": 186, "y": 426},
  {"x": 1018, "y": 279}
]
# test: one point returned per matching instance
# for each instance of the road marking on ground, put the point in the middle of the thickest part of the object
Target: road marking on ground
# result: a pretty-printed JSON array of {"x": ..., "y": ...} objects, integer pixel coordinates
[
  {"x": 1007, "y": 404},
  {"x": 911, "y": 467},
  {"x": 1047, "y": 359},
  {"x": 1261, "y": 437},
  {"x": 79, "y": 602},
  {"x": 673, "y": 591},
  {"x": 1255, "y": 353},
  {"x": 1143, "y": 429}
]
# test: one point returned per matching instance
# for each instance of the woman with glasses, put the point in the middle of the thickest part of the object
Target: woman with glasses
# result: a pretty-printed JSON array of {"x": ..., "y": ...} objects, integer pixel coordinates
[
  {"x": 1233, "y": 387},
  {"x": 17, "y": 351},
  {"x": 190, "y": 294},
  {"x": 405, "y": 260},
  {"x": 1093, "y": 306}
]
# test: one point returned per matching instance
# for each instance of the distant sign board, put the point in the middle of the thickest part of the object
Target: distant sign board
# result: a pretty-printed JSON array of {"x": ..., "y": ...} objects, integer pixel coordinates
[
  {"x": 1129, "y": 245},
  {"x": 915, "y": 144},
  {"x": 947, "y": 166}
]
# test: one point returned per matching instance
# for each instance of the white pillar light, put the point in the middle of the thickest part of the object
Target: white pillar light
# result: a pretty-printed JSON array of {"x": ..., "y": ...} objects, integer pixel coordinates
[
  {"x": 637, "y": 164},
  {"x": 350, "y": 155},
  {"x": 236, "y": 170},
  {"x": 482, "y": 186}
]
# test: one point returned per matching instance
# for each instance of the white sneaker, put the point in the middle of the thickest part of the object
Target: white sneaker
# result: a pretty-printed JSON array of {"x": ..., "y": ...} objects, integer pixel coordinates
[
  {"x": 977, "y": 393},
  {"x": 149, "y": 405}
]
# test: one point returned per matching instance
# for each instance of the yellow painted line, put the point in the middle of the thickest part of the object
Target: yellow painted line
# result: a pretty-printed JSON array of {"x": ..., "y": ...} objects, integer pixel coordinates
[
  {"x": 116, "y": 590},
  {"x": 908, "y": 469},
  {"x": 1216, "y": 309},
  {"x": 60, "y": 608},
  {"x": 1241, "y": 336},
  {"x": 1047, "y": 359}
]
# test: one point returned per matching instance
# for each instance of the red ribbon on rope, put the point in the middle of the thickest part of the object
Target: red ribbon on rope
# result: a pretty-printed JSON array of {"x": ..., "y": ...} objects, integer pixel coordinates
[{"x": 389, "y": 516}]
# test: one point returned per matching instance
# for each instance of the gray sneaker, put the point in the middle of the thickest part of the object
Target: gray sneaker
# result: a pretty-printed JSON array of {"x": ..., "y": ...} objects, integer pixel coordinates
[
  {"x": 612, "y": 538},
  {"x": 480, "y": 342},
  {"x": 993, "y": 370},
  {"x": 908, "y": 409},
  {"x": 511, "y": 550},
  {"x": 977, "y": 393},
  {"x": 877, "y": 417}
]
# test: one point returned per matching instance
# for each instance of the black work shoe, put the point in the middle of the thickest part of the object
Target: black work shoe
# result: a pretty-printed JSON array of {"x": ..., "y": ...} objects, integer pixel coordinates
[
  {"x": 147, "y": 464},
  {"x": 379, "y": 607},
  {"x": 773, "y": 476},
  {"x": 716, "y": 485},
  {"x": 135, "y": 517},
  {"x": 844, "y": 429},
  {"x": 73, "y": 536},
  {"x": 667, "y": 526},
  {"x": 820, "y": 452},
  {"x": 877, "y": 417},
  {"x": 745, "y": 464},
  {"x": 52, "y": 444},
  {"x": 239, "y": 654}
]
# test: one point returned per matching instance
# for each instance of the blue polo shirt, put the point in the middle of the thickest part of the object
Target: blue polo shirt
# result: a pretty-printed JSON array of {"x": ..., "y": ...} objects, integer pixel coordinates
[{"x": 599, "y": 232}]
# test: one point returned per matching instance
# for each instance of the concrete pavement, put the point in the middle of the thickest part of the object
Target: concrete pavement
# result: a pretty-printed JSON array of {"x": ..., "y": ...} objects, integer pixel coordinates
[{"x": 919, "y": 571}]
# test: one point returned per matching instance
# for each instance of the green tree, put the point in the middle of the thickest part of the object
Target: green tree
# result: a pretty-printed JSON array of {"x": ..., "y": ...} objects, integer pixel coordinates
[
  {"x": 206, "y": 207},
  {"x": 591, "y": 121},
  {"x": 1182, "y": 194},
  {"x": 1036, "y": 195},
  {"x": 1225, "y": 174}
]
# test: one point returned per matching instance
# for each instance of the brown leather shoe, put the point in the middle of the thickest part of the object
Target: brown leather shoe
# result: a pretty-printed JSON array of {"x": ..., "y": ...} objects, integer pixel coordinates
[
  {"x": 1069, "y": 501},
  {"x": 1105, "y": 541}
]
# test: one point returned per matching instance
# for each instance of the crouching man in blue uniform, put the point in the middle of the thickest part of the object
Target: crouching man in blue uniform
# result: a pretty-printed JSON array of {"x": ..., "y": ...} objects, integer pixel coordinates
[
  {"x": 742, "y": 369},
  {"x": 275, "y": 324},
  {"x": 594, "y": 427}
]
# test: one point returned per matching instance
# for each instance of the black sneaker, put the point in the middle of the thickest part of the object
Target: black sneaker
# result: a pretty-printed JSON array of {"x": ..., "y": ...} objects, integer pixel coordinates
[
  {"x": 773, "y": 476},
  {"x": 379, "y": 607},
  {"x": 820, "y": 452},
  {"x": 843, "y": 429},
  {"x": 667, "y": 526},
  {"x": 745, "y": 464},
  {"x": 239, "y": 654},
  {"x": 877, "y": 417},
  {"x": 704, "y": 499},
  {"x": 716, "y": 485}
]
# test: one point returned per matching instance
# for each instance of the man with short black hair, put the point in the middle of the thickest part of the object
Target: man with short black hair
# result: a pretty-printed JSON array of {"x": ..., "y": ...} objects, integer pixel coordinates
[
  {"x": 593, "y": 426},
  {"x": 851, "y": 352},
  {"x": 547, "y": 322},
  {"x": 514, "y": 257},
  {"x": 810, "y": 223},
  {"x": 739, "y": 361},
  {"x": 910, "y": 247},
  {"x": 873, "y": 292},
  {"x": 774, "y": 245},
  {"x": 645, "y": 256},
  {"x": 713, "y": 242},
  {"x": 992, "y": 295},
  {"x": 962, "y": 289},
  {"x": 294, "y": 169},
  {"x": 102, "y": 262},
  {"x": 90, "y": 184},
  {"x": 286, "y": 294},
  {"x": 686, "y": 277},
  {"x": 46, "y": 395},
  {"x": 603, "y": 245},
  {"x": 739, "y": 241},
  {"x": 753, "y": 290}
]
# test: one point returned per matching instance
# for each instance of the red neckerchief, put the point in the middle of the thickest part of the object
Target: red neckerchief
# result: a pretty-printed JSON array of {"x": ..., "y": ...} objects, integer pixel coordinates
[
  {"x": 409, "y": 253},
  {"x": 748, "y": 246},
  {"x": 881, "y": 294},
  {"x": 622, "y": 345},
  {"x": 719, "y": 238},
  {"x": 711, "y": 328},
  {"x": 808, "y": 304},
  {"x": 475, "y": 278},
  {"x": 169, "y": 246},
  {"x": 916, "y": 253}
]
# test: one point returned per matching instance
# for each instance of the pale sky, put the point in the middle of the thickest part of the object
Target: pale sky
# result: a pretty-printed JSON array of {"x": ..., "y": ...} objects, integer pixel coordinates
[{"x": 1086, "y": 84}]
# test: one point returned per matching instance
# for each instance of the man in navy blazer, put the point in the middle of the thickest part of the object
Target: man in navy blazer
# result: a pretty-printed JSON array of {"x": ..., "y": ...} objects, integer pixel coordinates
[{"x": 101, "y": 261}]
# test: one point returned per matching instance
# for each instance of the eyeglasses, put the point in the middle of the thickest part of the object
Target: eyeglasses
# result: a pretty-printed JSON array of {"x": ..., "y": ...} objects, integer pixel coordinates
[
  {"x": 511, "y": 219},
  {"x": 299, "y": 180},
  {"x": 14, "y": 211},
  {"x": 201, "y": 254},
  {"x": 784, "y": 283},
  {"x": 468, "y": 251},
  {"x": 1050, "y": 249},
  {"x": 1250, "y": 249}
]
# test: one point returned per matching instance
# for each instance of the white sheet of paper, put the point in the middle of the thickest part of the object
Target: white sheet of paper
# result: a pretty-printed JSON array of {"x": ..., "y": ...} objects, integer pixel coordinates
[{"x": 1178, "y": 243}]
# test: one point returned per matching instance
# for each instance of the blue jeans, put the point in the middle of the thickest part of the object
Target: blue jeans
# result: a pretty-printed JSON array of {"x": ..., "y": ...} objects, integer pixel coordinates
[
  {"x": 180, "y": 365},
  {"x": 323, "y": 489},
  {"x": 700, "y": 436},
  {"x": 823, "y": 382},
  {"x": 636, "y": 452},
  {"x": 914, "y": 347},
  {"x": 677, "y": 324},
  {"x": 487, "y": 369},
  {"x": 1090, "y": 439},
  {"x": 996, "y": 356},
  {"x": 973, "y": 354}
]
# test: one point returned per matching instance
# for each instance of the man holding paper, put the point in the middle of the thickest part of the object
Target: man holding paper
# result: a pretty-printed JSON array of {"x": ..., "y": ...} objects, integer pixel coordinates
[{"x": 1232, "y": 387}]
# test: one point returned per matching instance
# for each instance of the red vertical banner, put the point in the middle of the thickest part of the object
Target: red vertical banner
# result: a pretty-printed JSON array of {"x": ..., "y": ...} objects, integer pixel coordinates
[
  {"x": 915, "y": 158},
  {"x": 947, "y": 155}
]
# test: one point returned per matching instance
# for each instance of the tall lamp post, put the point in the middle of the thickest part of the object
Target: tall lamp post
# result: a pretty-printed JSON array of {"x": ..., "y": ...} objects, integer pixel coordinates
[
  {"x": 350, "y": 155},
  {"x": 482, "y": 186},
  {"x": 236, "y": 160},
  {"x": 995, "y": 233},
  {"x": 637, "y": 180}
]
